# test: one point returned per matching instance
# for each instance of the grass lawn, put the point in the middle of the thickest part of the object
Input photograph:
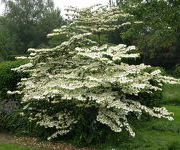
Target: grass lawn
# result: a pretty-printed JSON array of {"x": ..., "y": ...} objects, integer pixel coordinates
[
  {"x": 154, "y": 134},
  {"x": 171, "y": 94},
  {"x": 14, "y": 147}
]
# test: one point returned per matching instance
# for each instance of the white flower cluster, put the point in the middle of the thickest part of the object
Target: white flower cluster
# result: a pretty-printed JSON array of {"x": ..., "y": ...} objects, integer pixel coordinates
[
  {"x": 104, "y": 52},
  {"x": 78, "y": 74},
  {"x": 96, "y": 19}
]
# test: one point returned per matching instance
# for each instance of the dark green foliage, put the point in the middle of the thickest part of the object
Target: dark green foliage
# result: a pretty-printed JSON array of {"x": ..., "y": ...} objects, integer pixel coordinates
[
  {"x": 95, "y": 138},
  {"x": 150, "y": 100},
  {"x": 5, "y": 40},
  {"x": 174, "y": 146},
  {"x": 132, "y": 61},
  {"x": 9, "y": 78},
  {"x": 14, "y": 123},
  {"x": 158, "y": 36},
  {"x": 176, "y": 71},
  {"x": 88, "y": 130},
  {"x": 56, "y": 40},
  {"x": 25, "y": 24}
]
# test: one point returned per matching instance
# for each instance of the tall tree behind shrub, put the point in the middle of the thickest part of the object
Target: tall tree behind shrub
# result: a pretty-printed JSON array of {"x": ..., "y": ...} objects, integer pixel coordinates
[
  {"x": 30, "y": 21},
  {"x": 158, "y": 35}
]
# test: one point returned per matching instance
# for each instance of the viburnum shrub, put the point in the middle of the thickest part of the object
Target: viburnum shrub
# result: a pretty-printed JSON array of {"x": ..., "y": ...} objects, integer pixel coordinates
[{"x": 81, "y": 81}]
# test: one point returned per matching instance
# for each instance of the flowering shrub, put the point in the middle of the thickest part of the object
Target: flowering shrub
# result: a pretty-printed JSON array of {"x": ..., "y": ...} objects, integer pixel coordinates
[{"x": 79, "y": 81}]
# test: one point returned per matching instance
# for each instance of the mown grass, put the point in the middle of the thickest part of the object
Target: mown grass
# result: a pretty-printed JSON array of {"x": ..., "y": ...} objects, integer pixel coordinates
[
  {"x": 153, "y": 134},
  {"x": 171, "y": 94},
  {"x": 14, "y": 147}
]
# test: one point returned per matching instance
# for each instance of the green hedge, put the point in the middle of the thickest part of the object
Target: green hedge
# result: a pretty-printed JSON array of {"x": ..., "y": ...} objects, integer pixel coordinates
[{"x": 9, "y": 78}]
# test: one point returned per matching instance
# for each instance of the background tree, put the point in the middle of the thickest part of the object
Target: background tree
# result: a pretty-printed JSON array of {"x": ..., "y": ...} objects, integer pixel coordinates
[
  {"x": 3, "y": 37},
  {"x": 158, "y": 35},
  {"x": 30, "y": 21},
  {"x": 7, "y": 40}
]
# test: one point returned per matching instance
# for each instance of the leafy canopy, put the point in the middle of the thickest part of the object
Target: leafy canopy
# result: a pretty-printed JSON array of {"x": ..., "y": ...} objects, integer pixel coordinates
[
  {"x": 158, "y": 34},
  {"x": 27, "y": 22}
]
